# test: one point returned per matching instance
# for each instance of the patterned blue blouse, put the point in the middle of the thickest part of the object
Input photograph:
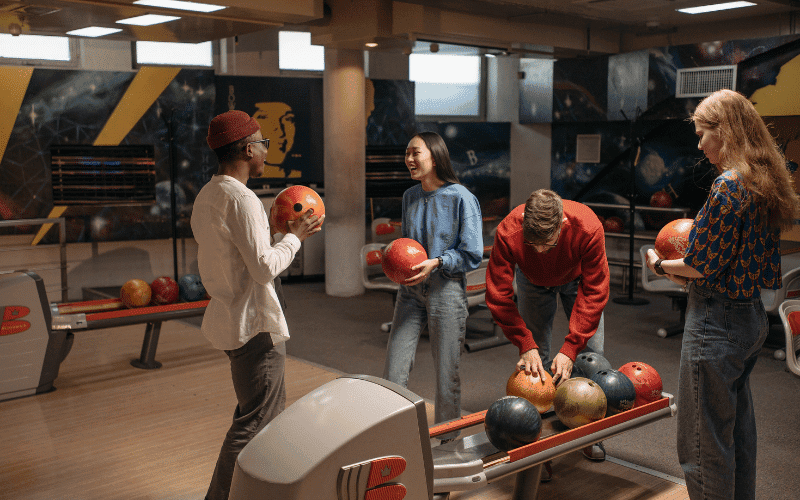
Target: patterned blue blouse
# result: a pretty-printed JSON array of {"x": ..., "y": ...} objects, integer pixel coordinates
[{"x": 731, "y": 245}]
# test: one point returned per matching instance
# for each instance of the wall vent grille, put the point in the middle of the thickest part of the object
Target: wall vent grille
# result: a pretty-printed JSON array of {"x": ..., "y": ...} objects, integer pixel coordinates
[{"x": 700, "y": 82}]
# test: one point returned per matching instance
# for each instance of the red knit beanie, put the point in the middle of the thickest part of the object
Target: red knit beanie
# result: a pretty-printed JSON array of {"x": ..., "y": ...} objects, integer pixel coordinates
[{"x": 229, "y": 127}]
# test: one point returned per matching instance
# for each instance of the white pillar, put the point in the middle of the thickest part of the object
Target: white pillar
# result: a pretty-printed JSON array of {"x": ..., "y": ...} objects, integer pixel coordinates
[{"x": 345, "y": 149}]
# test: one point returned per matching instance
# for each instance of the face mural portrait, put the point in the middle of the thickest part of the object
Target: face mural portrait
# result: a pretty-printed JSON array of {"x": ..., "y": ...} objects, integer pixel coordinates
[{"x": 278, "y": 125}]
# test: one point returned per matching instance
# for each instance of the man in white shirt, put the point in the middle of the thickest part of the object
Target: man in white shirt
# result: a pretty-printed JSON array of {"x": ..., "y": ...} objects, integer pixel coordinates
[{"x": 238, "y": 265}]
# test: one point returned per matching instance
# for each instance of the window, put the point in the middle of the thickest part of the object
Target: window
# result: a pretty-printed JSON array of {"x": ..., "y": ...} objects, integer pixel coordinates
[
  {"x": 446, "y": 84},
  {"x": 174, "y": 54},
  {"x": 37, "y": 48},
  {"x": 295, "y": 52}
]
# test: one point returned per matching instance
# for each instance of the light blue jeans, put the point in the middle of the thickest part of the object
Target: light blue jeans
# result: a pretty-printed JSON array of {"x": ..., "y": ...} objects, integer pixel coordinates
[
  {"x": 440, "y": 302},
  {"x": 538, "y": 305},
  {"x": 716, "y": 423}
]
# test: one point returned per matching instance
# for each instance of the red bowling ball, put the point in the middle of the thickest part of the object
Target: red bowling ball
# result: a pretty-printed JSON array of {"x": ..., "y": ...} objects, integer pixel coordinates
[
  {"x": 646, "y": 381},
  {"x": 672, "y": 241},
  {"x": 661, "y": 199},
  {"x": 165, "y": 290},
  {"x": 135, "y": 293},
  {"x": 399, "y": 257},
  {"x": 613, "y": 224},
  {"x": 291, "y": 203}
]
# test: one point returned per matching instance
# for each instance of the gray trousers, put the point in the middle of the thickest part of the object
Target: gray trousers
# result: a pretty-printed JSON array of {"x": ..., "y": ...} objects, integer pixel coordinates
[{"x": 257, "y": 370}]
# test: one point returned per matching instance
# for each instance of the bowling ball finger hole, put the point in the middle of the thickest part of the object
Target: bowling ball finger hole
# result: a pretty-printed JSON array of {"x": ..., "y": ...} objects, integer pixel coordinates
[{"x": 298, "y": 207}]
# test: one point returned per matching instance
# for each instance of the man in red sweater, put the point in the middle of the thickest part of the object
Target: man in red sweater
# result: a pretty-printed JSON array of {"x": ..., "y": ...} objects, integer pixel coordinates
[{"x": 554, "y": 248}]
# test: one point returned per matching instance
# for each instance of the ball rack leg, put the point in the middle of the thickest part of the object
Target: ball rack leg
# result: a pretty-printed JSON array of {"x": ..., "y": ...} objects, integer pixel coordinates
[{"x": 147, "y": 359}]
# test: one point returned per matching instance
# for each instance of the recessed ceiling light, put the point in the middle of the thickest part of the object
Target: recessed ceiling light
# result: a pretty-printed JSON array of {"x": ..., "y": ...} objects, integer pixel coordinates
[
  {"x": 715, "y": 7},
  {"x": 147, "y": 20},
  {"x": 179, "y": 5},
  {"x": 371, "y": 44},
  {"x": 93, "y": 31}
]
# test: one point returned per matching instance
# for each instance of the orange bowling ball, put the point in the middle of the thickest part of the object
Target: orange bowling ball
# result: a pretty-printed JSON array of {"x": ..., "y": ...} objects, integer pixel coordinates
[
  {"x": 672, "y": 241},
  {"x": 291, "y": 203},
  {"x": 399, "y": 257},
  {"x": 533, "y": 388},
  {"x": 135, "y": 293}
]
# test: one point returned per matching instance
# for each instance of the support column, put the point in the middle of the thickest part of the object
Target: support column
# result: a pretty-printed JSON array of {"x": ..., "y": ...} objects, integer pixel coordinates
[{"x": 345, "y": 149}]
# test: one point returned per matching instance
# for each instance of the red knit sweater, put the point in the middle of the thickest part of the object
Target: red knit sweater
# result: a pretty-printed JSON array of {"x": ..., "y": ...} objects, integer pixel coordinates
[{"x": 581, "y": 251}]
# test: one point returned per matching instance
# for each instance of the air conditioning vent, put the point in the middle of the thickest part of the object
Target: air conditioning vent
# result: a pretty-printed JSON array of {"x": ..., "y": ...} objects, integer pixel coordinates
[{"x": 700, "y": 82}]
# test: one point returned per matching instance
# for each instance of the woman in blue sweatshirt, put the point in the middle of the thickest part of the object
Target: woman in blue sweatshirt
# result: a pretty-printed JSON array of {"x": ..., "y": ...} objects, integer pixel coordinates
[{"x": 445, "y": 218}]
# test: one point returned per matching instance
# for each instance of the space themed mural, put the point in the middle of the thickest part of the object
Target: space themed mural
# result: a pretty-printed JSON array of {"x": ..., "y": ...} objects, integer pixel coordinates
[
  {"x": 627, "y": 100},
  {"x": 480, "y": 154},
  {"x": 169, "y": 109},
  {"x": 669, "y": 170}
]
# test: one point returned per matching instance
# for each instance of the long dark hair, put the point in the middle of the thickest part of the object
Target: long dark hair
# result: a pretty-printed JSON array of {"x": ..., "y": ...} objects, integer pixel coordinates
[{"x": 441, "y": 156}]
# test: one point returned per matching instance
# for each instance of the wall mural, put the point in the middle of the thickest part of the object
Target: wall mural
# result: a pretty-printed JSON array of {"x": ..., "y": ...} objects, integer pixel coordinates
[
  {"x": 580, "y": 89},
  {"x": 64, "y": 107},
  {"x": 480, "y": 154},
  {"x": 170, "y": 109},
  {"x": 390, "y": 112},
  {"x": 290, "y": 113},
  {"x": 670, "y": 171}
]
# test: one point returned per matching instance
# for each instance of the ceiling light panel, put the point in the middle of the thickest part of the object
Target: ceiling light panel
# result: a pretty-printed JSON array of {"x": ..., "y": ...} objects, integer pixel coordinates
[
  {"x": 93, "y": 31},
  {"x": 179, "y": 5},
  {"x": 147, "y": 20},
  {"x": 702, "y": 9}
]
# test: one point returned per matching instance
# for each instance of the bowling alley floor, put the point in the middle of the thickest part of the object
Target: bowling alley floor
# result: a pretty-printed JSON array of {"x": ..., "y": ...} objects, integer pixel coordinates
[{"x": 112, "y": 431}]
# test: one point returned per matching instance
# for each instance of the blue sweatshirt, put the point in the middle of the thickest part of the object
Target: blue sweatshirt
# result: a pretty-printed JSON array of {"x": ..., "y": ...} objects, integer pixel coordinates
[{"x": 447, "y": 222}]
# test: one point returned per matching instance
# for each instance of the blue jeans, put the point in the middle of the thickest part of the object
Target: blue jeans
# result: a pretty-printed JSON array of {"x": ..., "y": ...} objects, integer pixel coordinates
[
  {"x": 716, "y": 423},
  {"x": 440, "y": 302},
  {"x": 538, "y": 305},
  {"x": 257, "y": 370}
]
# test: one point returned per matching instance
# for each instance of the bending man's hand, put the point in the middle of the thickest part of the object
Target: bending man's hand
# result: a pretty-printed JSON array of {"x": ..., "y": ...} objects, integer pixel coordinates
[
  {"x": 561, "y": 368},
  {"x": 531, "y": 362}
]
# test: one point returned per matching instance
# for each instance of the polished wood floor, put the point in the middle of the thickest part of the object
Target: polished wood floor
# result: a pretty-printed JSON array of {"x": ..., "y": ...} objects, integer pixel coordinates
[{"x": 112, "y": 431}]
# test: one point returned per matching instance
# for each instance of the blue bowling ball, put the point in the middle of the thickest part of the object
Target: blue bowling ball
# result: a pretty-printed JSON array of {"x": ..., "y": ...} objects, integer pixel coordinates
[
  {"x": 589, "y": 363},
  {"x": 512, "y": 422},
  {"x": 618, "y": 388},
  {"x": 191, "y": 288}
]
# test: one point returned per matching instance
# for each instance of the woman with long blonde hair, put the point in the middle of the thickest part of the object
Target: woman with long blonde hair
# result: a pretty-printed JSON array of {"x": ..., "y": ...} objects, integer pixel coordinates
[{"x": 734, "y": 252}]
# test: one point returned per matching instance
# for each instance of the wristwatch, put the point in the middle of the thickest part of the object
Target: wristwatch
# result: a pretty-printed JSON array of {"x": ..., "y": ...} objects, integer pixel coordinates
[
  {"x": 441, "y": 261},
  {"x": 657, "y": 267}
]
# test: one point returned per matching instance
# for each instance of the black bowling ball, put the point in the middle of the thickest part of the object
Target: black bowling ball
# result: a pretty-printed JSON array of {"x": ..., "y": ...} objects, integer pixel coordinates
[{"x": 512, "y": 422}]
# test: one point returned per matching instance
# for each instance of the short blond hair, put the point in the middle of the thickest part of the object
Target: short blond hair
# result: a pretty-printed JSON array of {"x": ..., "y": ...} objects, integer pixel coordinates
[{"x": 543, "y": 214}]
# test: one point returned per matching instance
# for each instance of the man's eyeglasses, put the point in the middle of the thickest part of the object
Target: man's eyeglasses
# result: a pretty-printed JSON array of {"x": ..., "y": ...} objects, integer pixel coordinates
[{"x": 265, "y": 142}]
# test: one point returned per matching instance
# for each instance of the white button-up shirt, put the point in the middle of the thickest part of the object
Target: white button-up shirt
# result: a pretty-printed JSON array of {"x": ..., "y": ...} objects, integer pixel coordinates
[{"x": 238, "y": 263}]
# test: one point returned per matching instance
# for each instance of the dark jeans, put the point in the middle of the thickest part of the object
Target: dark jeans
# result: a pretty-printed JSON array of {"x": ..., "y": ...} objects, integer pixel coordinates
[
  {"x": 716, "y": 421},
  {"x": 257, "y": 369}
]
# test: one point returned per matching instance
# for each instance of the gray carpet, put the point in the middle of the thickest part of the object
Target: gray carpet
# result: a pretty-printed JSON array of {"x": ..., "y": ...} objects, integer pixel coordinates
[{"x": 344, "y": 334}]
